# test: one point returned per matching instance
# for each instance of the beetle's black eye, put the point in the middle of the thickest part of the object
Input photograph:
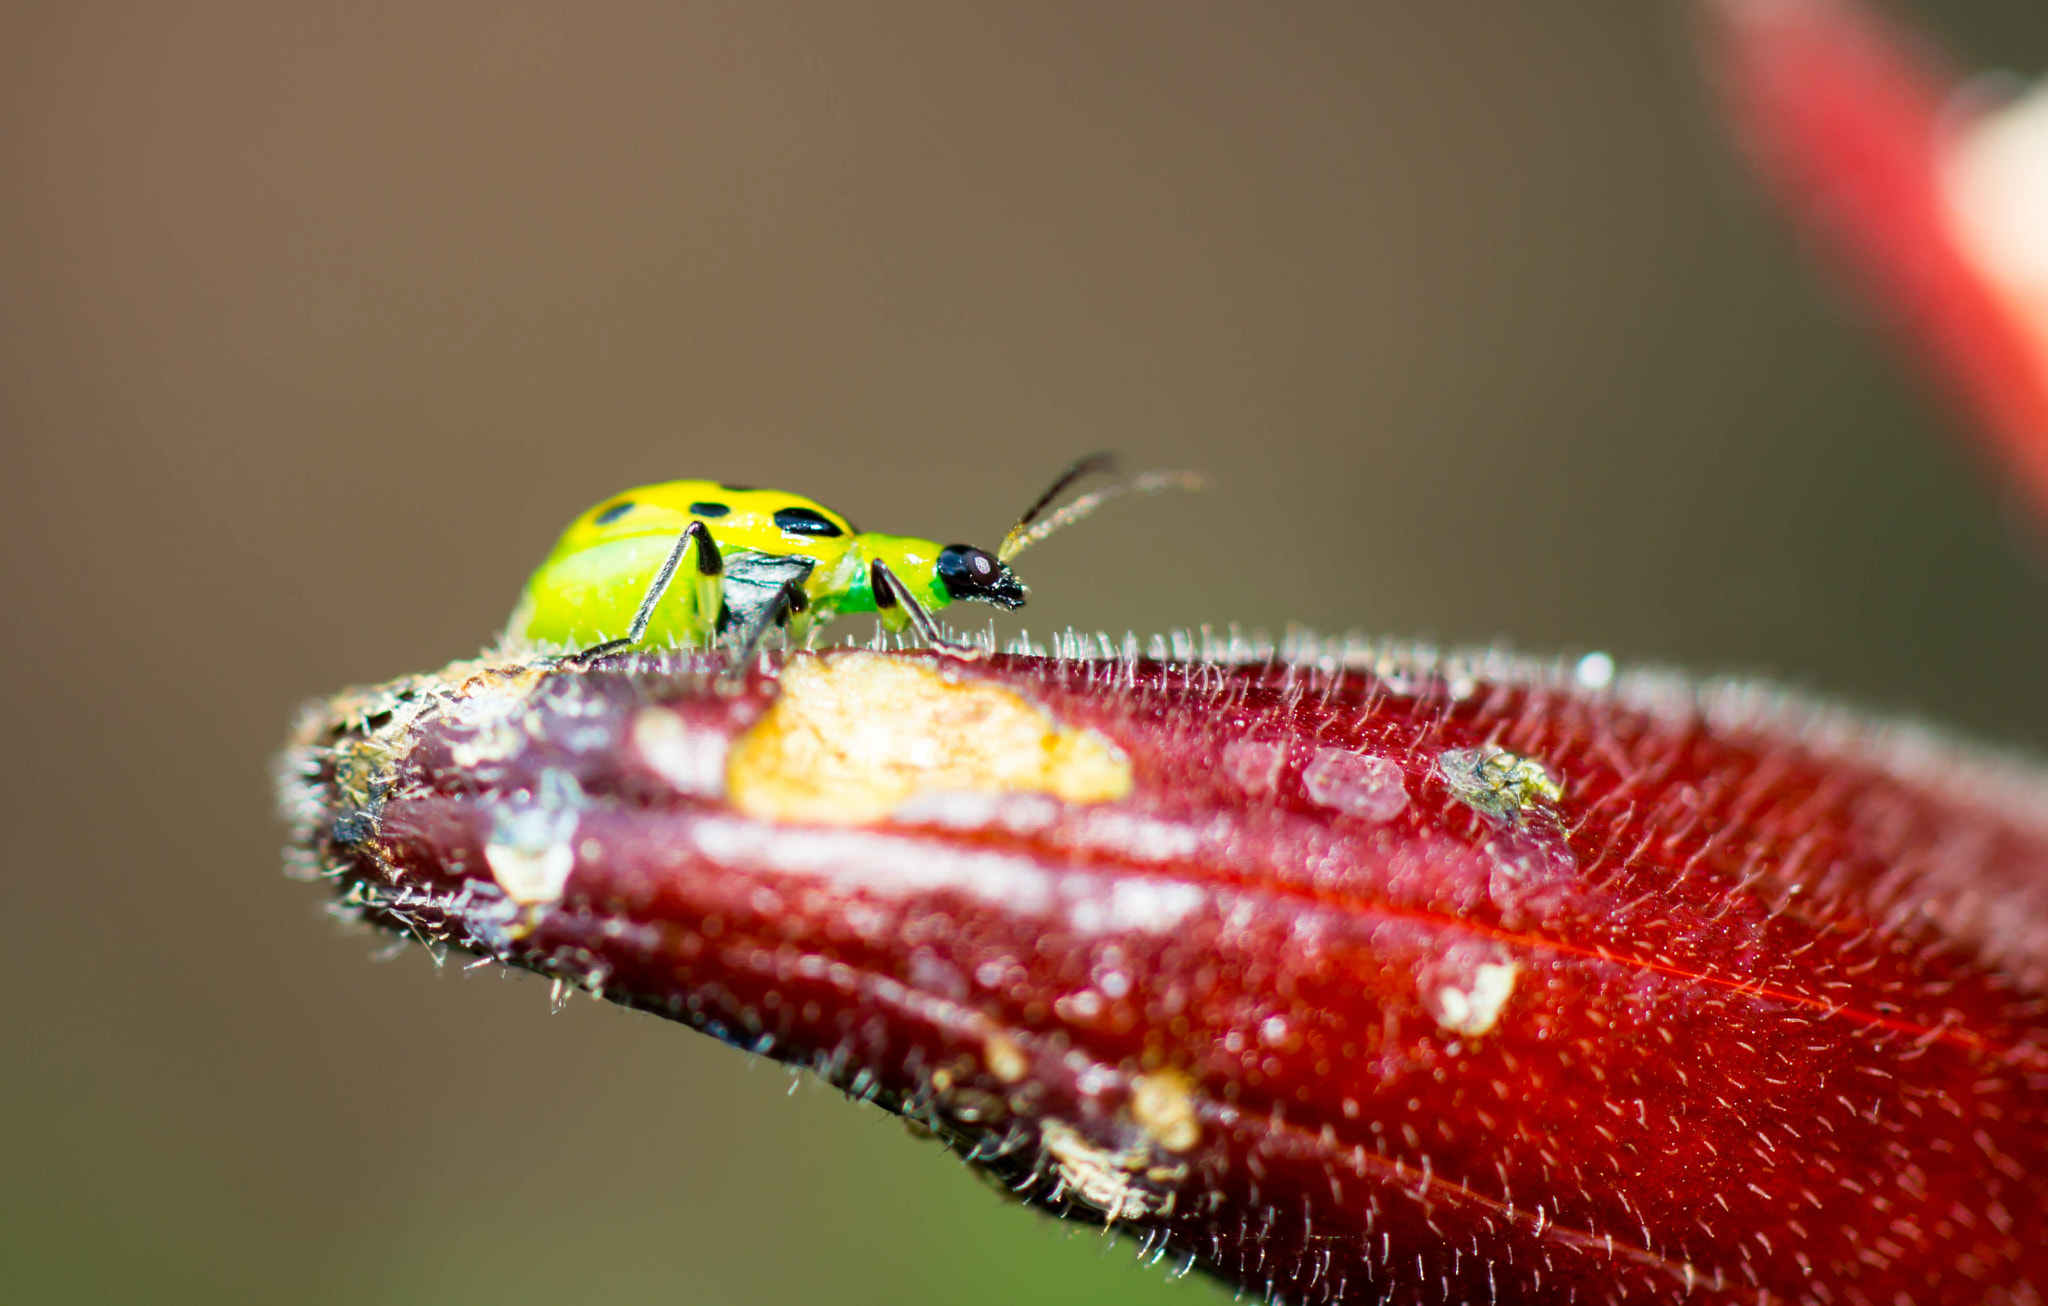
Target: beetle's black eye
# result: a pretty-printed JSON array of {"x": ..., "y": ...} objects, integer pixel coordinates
[
  {"x": 969, "y": 573},
  {"x": 806, "y": 521},
  {"x": 613, "y": 513}
]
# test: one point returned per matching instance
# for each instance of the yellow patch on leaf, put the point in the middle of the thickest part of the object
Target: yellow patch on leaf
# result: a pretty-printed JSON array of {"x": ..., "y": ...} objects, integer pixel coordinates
[{"x": 854, "y": 735}]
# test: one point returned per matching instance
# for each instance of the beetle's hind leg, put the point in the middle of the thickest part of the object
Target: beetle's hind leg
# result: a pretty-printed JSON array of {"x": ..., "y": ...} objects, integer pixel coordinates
[
  {"x": 892, "y": 593},
  {"x": 708, "y": 580}
]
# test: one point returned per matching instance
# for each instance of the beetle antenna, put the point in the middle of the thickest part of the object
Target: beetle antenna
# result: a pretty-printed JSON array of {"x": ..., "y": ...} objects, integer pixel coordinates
[
  {"x": 1030, "y": 531},
  {"x": 1085, "y": 466}
]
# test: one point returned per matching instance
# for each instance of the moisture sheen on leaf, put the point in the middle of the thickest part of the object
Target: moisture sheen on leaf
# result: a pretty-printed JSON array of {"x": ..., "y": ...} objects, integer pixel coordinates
[{"x": 1348, "y": 974}]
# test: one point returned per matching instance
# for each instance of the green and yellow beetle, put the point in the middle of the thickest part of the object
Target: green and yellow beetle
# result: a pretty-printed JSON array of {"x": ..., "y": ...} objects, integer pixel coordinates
[{"x": 751, "y": 560}]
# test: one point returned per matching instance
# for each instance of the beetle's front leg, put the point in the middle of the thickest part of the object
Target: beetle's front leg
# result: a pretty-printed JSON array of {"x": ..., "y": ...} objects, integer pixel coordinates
[{"x": 898, "y": 607}]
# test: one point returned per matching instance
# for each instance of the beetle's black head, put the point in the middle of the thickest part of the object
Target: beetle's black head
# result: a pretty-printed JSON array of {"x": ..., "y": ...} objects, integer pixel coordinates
[{"x": 969, "y": 573}]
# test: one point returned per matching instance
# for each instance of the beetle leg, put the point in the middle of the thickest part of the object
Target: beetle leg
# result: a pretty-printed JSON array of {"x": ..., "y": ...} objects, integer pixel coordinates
[
  {"x": 790, "y": 603},
  {"x": 882, "y": 583},
  {"x": 891, "y": 593},
  {"x": 709, "y": 585}
]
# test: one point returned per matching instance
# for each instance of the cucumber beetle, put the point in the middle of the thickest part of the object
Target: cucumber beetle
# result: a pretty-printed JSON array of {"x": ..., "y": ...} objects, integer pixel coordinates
[{"x": 687, "y": 563}]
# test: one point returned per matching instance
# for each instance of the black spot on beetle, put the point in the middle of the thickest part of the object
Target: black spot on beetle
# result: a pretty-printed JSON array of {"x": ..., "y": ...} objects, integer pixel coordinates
[
  {"x": 739, "y": 489},
  {"x": 706, "y": 508},
  {"x": 613, "y": 513},
  {"x": 806, "y": 521}
]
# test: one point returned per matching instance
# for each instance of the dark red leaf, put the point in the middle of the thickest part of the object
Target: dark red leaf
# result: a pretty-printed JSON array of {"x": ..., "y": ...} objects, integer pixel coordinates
[{"x": 1345, "y": 975}]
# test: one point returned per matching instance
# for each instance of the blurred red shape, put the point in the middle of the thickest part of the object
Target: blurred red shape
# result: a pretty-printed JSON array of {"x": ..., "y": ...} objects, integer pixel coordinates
[
  {"x": 1387, "y": 977},
  {"x": 1935, "y": 206}
]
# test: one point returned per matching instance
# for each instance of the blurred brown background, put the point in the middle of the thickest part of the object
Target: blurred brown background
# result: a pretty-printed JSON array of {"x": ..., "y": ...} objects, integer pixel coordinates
[{"x": 316, "y": 324}]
